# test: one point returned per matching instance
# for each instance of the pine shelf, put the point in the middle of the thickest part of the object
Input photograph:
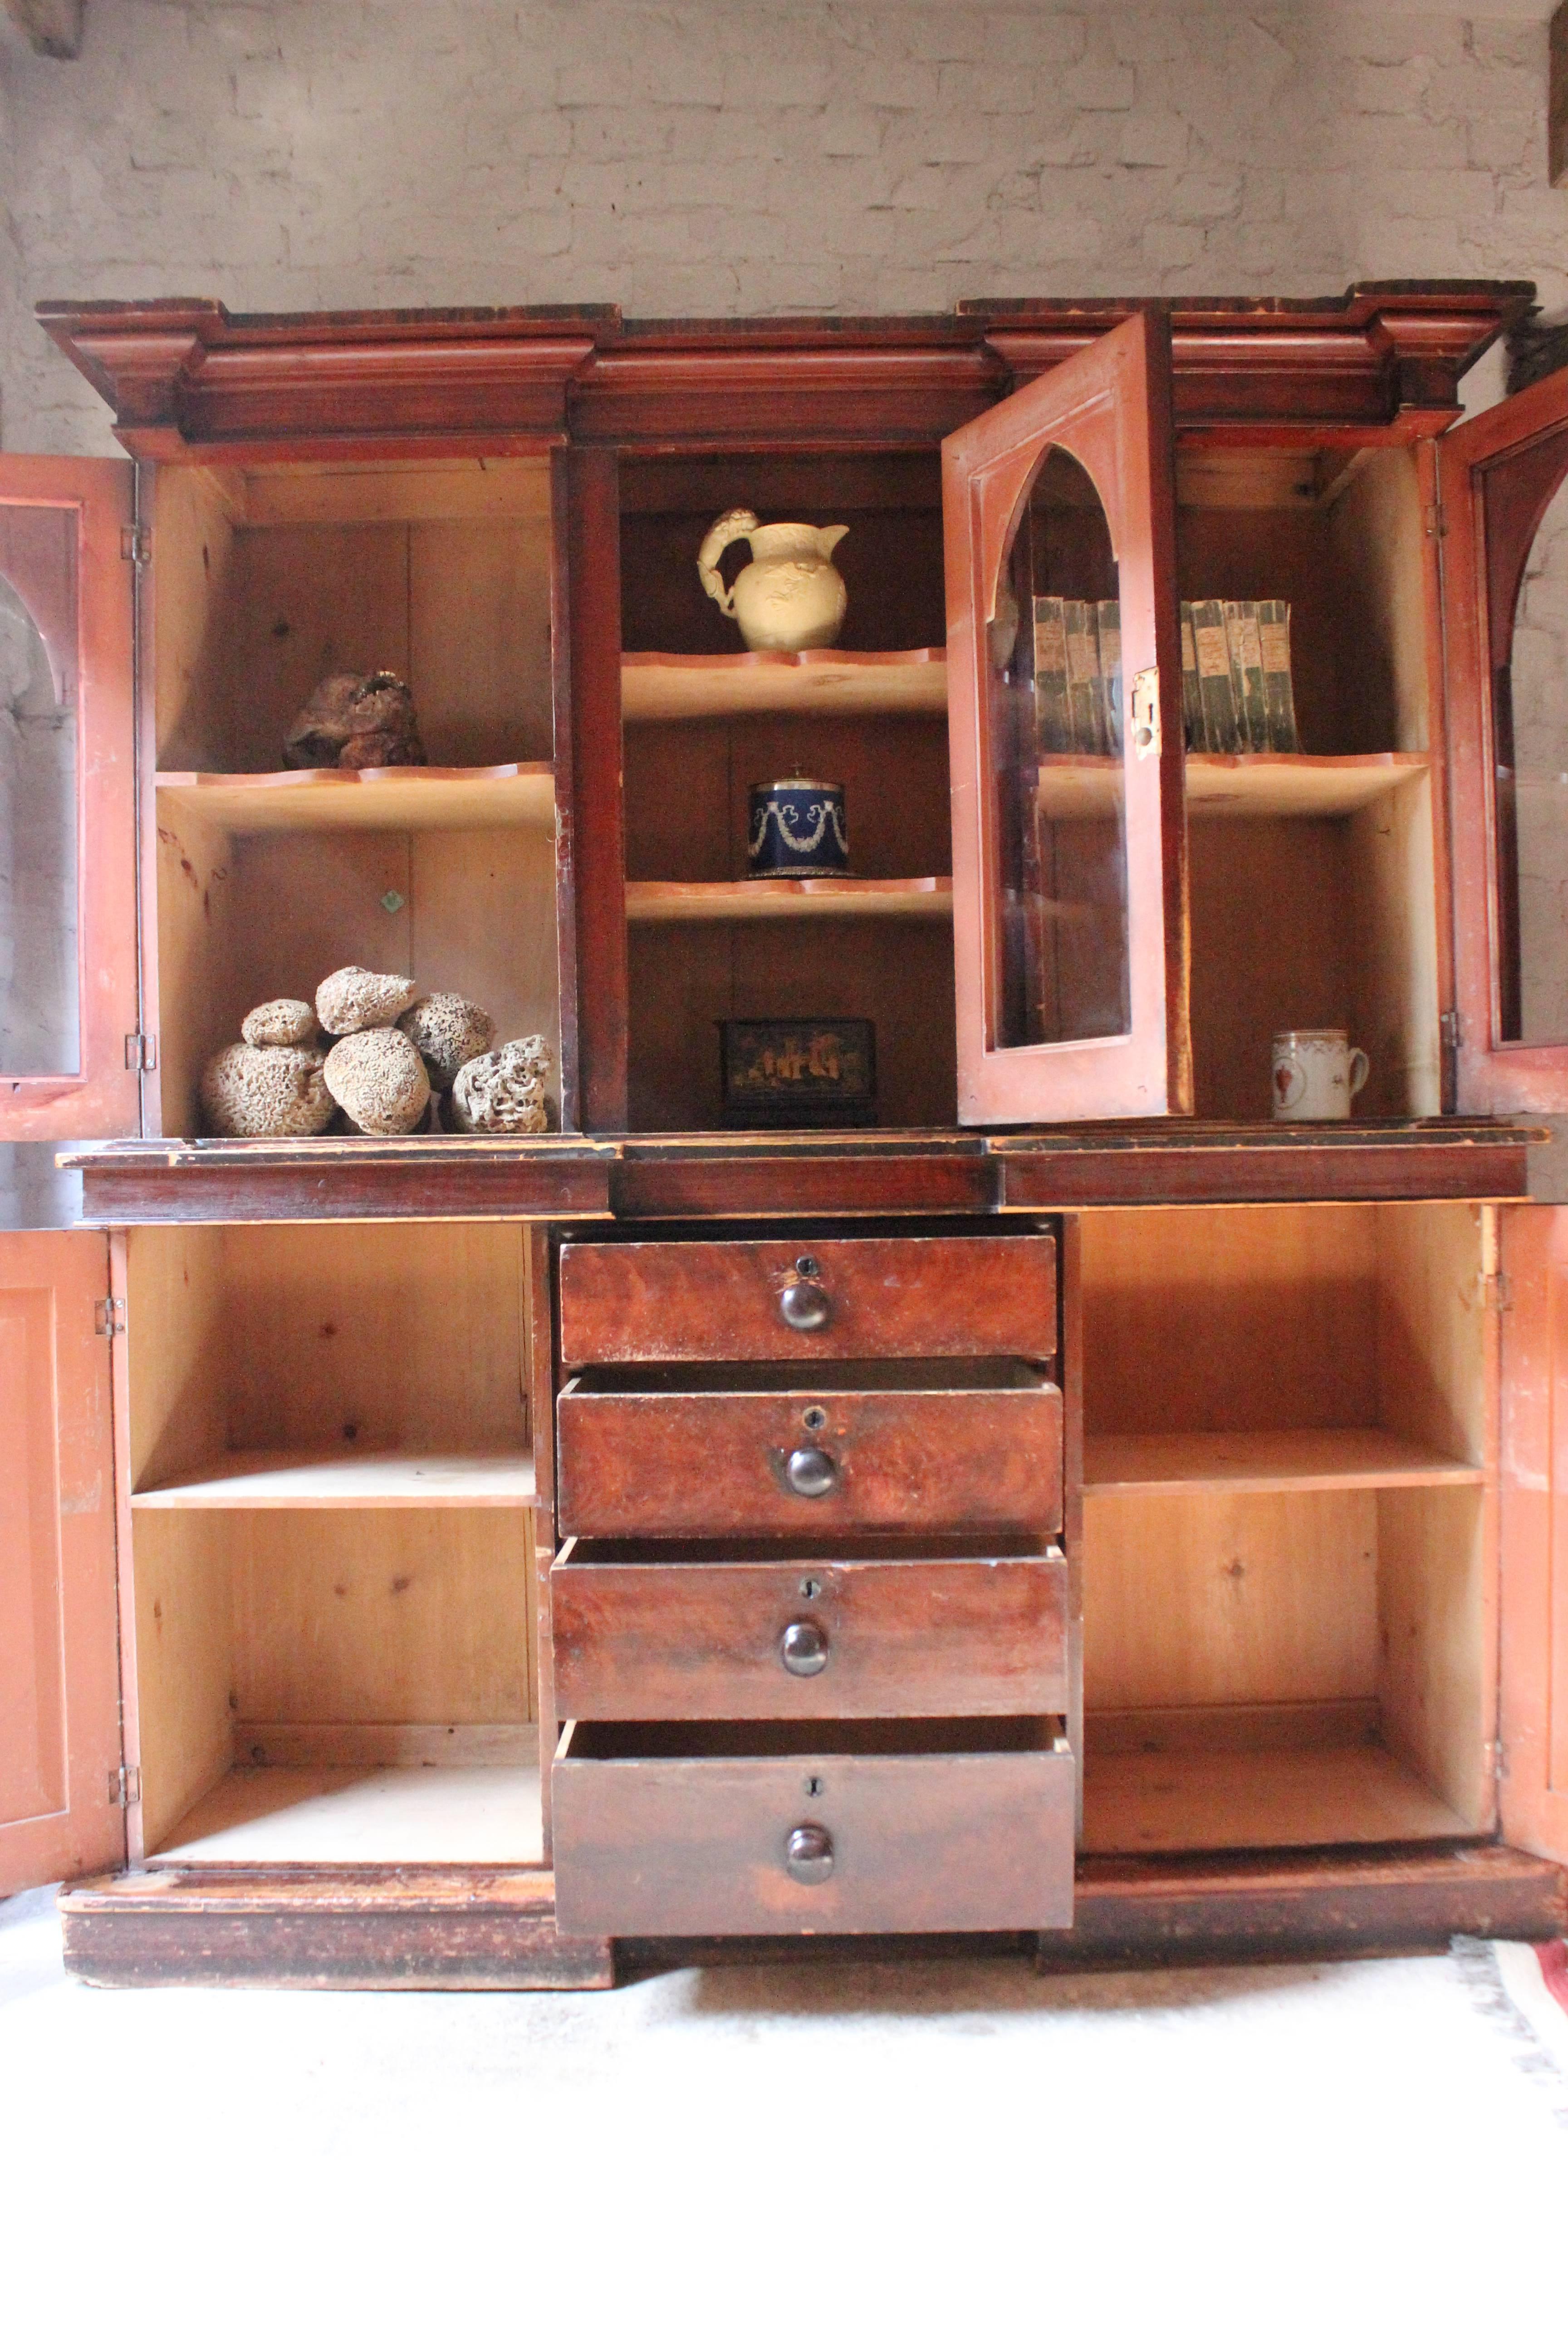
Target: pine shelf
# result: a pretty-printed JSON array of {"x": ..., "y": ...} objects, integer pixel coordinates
[
  {"x": 824, "y": 682},
  {"x": 926, "y": 898},
  {"x": 385, "y": 800},
  {"x": 1237, "y": 784},
  {"x": 1257, "y": 1461},
  {"x": 300, "y": 1478}
]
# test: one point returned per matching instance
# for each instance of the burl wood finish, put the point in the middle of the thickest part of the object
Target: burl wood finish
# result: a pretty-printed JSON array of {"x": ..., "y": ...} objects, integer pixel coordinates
[
  {"x": 671, "y": 1302},
  {"x": 713, "y": 1462},
  {"x": 915, "y": 1637},
  {"x": 684, "y": 1845}
]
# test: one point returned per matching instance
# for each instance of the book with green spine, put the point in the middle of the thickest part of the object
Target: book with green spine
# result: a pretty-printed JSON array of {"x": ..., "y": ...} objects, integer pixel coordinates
[
  {"x": 1222, "y": 730},
  {"x": 1279, "y": 701},
  {"x": 1246, "y": 665},
  {"x": 1053, "y": 713},
  {"x": 1108, "y": 619},
  {"x": 1192, "y": 698},
  {"x": 1084, "y": 693}
]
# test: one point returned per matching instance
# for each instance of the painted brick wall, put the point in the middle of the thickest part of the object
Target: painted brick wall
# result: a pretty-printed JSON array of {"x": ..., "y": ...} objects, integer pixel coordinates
[{"x": 816, "y": 154}]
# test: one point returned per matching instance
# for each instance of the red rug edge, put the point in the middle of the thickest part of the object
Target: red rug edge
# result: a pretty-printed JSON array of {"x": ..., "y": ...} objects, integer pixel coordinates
[{"x": 1553, "y": 1959}]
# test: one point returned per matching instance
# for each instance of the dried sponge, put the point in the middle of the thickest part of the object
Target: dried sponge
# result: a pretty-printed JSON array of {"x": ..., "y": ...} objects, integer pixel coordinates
[
  {"x": 264, "y": 1090},
  {"x": 354, "y": 999},
  {"x": 503, "y": 1093},
  {"x": 286, "y": 1020},
  {"x": 379, "y": 1079},
  {"x": 448, "y": 1030}
]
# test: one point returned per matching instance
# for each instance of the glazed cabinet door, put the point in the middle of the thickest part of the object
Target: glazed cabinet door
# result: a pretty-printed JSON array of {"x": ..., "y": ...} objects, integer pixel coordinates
[
  {"x": 69, "y": 1059},
  {"x": 60, "y": 1661},
  {"x": 1504, "y": 484},
  {"x": 1068, "y": 866}
]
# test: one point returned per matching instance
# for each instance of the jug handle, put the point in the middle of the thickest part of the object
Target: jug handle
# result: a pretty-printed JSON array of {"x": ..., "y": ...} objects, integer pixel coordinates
[{"x": 739, "y": 522}]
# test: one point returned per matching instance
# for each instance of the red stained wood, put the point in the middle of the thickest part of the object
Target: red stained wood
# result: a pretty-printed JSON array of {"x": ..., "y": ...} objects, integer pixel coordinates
[
  {"x": 1533, "y": 1793},
  {"x": 917, "y": 1637},
  {"x": 1429, "y": 1166},
  {"x": 59, "y": 1664},
  {"x": 591, "y": 848},
  {"x": 80, "y": 593},
  {"x": 1511, "y": 448},
  {"x": 713, "y": 1464},
  {"x": 412, "y": 1929},
  {"x": 250, "y": 1184},
  {"x": 1110, "y": 409},
  {"x": 673, "y": 1844},
  {"x": 671, "y": 1302},
  {"x": 841, "y": 1182},
  {"x": 1130, "y": 1913}
]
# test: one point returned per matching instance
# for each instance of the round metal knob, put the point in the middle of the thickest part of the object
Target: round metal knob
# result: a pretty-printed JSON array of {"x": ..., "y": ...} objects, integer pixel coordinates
[
  {"x": 808, "y": 1854},
  {"x": 805, "y": 1307},
  {"x": 811, "y": 1472},
  {"x": 802, "y": 1646}
]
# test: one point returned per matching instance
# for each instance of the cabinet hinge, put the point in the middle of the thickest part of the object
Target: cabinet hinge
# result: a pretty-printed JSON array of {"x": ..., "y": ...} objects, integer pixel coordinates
[
  {"x": 1449, "y": 1030},
  {"x": 1499, "y": 1760},
  {"x": 109, "y": 1317},
  {"x": 135, "y": 543},
  {"x": 141, "y": 1051},
  {"x": 1497, "y": 1293},
  {"x": 125, "y": 1785},
  {"x": 1436, "y": 521}
]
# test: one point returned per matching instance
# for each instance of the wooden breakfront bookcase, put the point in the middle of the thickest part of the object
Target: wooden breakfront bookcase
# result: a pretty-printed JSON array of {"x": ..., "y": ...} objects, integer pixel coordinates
[{"x": 1079, "y": 1510}]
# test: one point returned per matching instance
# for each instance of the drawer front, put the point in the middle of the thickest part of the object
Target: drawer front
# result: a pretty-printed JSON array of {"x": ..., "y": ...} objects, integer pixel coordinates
[
  {"x": 690, "y": 1302},
  {"x": 701, "y": 1845},
  {"x": 721, "y": 1462},
  {"x": 810, "y": 1639}
]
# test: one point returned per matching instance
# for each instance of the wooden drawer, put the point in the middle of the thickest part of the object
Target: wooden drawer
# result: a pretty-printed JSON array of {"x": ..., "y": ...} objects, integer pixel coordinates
[
  {"x": 726, "y": 1454},
  {"x": 680, "y": 1830},
  {"x": 791, "y": 1301},
  {"x": 640, "y": 1634}
]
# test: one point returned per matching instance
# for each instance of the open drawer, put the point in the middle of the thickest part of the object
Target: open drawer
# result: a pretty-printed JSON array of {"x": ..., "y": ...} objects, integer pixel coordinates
[
  {"x": 657, "y": 1630},
  {"x": 730, "y": 1829},
  {"x": 735, "y": 1449}
]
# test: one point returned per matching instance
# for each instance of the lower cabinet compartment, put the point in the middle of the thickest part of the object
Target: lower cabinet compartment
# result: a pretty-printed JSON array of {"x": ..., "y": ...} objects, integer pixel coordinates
[
  {"x": 668, "y": 1829},
  {"x": 907, "y": 1629}
]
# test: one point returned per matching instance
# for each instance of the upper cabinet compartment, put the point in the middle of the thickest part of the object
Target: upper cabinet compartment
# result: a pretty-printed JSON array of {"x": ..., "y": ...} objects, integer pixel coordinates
[
  {"x": 272, "y": 578},
  {"x": 1506, "y": 620},
  {"x": 1068, "y": 847},
  {"x": 1312, "y": 845},
  {"x": 269, "y": 579},
  {"x": 68, "y": 1061},
  {"x": 861, "y": 932}
]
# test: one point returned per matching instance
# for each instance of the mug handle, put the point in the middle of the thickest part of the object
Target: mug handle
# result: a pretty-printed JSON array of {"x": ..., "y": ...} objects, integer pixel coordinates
[{"x": 1360, "y": 1071}]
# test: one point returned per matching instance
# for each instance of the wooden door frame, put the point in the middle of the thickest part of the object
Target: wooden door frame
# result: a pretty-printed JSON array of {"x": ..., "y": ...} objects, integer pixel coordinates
[{"x": 1111, "y": 408}]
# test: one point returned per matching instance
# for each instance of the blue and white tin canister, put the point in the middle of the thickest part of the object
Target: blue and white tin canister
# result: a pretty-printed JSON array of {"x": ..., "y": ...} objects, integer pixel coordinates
[{"x": 797, "y": 828}]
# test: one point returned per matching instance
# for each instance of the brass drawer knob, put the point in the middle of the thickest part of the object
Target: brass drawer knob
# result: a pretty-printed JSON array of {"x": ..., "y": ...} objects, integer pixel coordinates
[
  {"x": 808, "y": 1854},
  {"x": 803, "y": 1647},
  {"x": 805, "y": 1307},
  {"x": 811, "y": 1472}
]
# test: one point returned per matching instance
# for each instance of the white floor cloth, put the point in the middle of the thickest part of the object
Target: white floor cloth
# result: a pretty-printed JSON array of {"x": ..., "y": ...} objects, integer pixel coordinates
[{"x": 951, "y": 2154}]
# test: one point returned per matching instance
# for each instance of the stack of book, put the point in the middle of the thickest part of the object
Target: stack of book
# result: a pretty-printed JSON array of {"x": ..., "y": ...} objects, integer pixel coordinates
[{"x": 1236, "y": 676}]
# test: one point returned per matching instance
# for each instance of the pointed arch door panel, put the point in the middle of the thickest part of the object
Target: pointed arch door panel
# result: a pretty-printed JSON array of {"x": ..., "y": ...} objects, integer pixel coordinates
[
  {"x": 1068, "y": 829},
  {"x": 68, "y": 828},
  {"x": 1504, "y": 479}
]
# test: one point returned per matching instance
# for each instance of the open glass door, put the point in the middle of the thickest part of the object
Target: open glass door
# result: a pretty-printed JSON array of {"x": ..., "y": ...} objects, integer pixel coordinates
[
  {"x": 69, "y": 1057},
  {"x": 1064, "y": 718},
  {"x": 1504, "y": 478}
]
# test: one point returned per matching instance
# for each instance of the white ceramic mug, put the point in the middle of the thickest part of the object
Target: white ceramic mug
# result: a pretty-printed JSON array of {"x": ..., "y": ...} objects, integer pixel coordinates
[{"x": 1318, "y": 1074}]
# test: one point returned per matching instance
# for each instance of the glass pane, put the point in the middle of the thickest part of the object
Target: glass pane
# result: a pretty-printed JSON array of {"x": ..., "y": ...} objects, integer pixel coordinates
[
  {"x": 1530, "y": 728},
  {"x": 40, "y": 1033},
  {"x": 1056, "y": 690}
]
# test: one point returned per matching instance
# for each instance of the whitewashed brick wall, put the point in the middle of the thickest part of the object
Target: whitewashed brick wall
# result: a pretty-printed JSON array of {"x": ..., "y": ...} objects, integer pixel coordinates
[{"x": 735, "y": 156}]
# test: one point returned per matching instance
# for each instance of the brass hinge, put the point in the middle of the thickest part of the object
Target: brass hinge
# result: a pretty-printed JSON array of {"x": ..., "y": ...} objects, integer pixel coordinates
[
  {"x": 125, "y": 1785},
  {"x": 135, "y": 543},
  {"x": 141, "y": 1051},
  {"x": 1497, "y": 1293},
  {"x": 108, "y": 1316},
  {"x": 1499, "y": 1760},
  {"x": 1436, "y": 521},
  {"x": 1449, "y": 1030}
]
